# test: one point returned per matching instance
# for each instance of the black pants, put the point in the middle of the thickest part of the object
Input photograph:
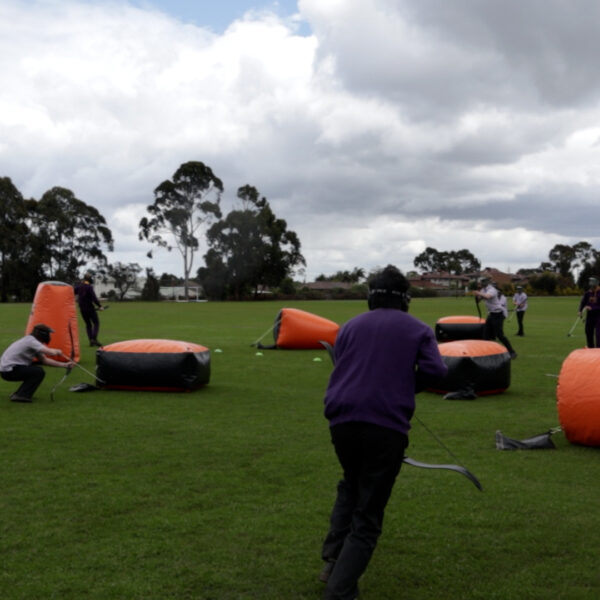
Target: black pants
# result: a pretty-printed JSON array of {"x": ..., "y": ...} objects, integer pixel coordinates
[
  {"x": 371, "y": 457},
  {"x": 494, "y": 328},
  {"x": 592, "y": 328},
  {"x": 92, "y": 323},
  {"x": 520, "y": 315},
  {"x": 31, "y": 376}
]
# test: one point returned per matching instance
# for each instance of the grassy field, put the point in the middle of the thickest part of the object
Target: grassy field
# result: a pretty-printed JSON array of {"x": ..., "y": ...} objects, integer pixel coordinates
[{"x": 224, "y": 493}]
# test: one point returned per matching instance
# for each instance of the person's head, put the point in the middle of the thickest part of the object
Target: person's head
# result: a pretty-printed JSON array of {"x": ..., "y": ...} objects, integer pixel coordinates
[
  {"x": 485, "y": 281},
  {"x": 519, "y": 288},
  {"x": 388, "y": 288},
  {"x": 88, "y": 277},
  {"x": 593, "y": 282},
  {"x": 42, "y": 333}
]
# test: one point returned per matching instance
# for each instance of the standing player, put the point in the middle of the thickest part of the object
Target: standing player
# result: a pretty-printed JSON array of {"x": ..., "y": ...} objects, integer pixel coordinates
[
  {"x": 369, "y": 403},
  {"x": 590, "y": 306},
  {"x": 89, "y": 305}
]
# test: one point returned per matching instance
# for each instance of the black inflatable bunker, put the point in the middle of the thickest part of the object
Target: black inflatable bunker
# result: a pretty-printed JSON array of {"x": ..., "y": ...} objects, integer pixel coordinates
[
  {"x": 157, "y": 365},
  {"x": 480, "y": 364},
  {"x": 460, "y": 327}
]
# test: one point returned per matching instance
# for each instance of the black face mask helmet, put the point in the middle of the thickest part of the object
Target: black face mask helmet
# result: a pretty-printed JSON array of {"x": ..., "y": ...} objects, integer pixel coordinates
[
  {"x": 389, "y": 289},
  {"x": 42, "y": 333},
  {"x": 593, "y": 282}
]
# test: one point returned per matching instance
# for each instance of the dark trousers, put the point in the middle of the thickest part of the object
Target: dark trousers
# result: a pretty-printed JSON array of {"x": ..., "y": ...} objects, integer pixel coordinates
[
  {"x": 520, "y": 315},
  {"x": 92, "y": 324},
  {"x": 31, "y": 376},
  {"x": 494, "y": 328},
  {"x": 371, "y": 457},
  {"x": 592, "y": 328}
]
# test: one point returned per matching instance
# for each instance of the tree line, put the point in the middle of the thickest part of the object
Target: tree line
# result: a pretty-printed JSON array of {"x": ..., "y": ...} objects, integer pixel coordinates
[
  {"x": 567, "y": 266},
  {"x": 249, "y": 249},
  {"x": 59, "y": 236}
]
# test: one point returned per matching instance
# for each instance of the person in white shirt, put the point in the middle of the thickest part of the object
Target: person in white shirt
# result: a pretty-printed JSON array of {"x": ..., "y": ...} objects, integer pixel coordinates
[
  {"x": 520, "y": 304},
  {"x": 494, "y": 323},
  {"x": 17, "y": 362}
]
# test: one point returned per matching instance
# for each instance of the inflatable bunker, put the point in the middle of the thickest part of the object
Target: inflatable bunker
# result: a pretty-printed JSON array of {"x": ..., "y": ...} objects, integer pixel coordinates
[
  {"x": 578, "y": 397},
  {"x": 297, "y": 329},
  {"x": 54, "y": 305},
  {"x": 480, "y": 364},
  {"x": 156, "y": 365},
  {"x": 448, "y": 329}
]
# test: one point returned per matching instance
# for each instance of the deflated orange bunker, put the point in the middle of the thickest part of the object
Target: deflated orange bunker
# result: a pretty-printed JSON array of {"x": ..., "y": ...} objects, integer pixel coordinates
[{"x": 297, "y": 329}]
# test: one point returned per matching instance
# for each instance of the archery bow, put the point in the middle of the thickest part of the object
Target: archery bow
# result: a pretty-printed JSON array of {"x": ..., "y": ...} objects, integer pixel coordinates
[
  {"x": 458, "y": 468},
  {"x": 67, "y": 369},
  {"x": 477, "y": 305}
]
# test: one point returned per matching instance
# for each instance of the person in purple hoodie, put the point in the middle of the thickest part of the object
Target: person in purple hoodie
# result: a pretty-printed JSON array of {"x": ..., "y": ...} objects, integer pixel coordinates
[
  {"x": 88, "y": 306},
  {"x": 381, "y": 358},
  {"x": 590, "y": 307}
]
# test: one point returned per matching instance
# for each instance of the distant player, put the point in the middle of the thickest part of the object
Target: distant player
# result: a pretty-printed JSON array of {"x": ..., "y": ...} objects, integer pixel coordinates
[{"x": 89, "y": 305}]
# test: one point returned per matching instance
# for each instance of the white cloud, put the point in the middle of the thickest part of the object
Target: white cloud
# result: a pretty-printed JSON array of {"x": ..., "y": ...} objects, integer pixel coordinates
[{"x": 395, "y": 126}]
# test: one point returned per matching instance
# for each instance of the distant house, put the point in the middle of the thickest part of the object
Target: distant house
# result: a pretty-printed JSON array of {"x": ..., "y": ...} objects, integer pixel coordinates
[
  {"x": 102, "y": 288},
  {"x": 503, "y": 278},
  {"x": 328, "y": 286},
  {"x": 439, "y": 281},
  {"x": 177, "y": 292},
  {"x": 446, "y": 282}
]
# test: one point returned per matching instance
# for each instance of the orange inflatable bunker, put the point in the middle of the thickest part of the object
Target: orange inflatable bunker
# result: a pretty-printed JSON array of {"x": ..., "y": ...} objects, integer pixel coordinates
[
  {"x": 54, "y": 305},
  {"x": 578, "y": 397},
  {"x": 297, "y": 329},
  {"x": 460, "y": 327},
  {"x": 481, "y": 364},
  {"x": 153, "y": 364}
]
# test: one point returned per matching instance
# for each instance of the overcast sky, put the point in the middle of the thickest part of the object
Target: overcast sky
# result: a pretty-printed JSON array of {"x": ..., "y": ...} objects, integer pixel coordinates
[{"x": 375, "y": 128}]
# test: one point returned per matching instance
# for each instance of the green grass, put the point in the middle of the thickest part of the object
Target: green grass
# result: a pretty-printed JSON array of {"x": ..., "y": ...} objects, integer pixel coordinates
[{"x": 224, "y": 493}]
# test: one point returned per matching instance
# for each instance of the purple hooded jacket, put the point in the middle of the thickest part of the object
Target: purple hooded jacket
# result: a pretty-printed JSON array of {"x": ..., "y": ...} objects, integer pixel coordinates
[{"x": 373, "y": 381}]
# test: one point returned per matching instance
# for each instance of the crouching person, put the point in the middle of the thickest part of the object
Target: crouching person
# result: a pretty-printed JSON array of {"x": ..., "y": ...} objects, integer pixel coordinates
[{"x": 17, "y": 362}]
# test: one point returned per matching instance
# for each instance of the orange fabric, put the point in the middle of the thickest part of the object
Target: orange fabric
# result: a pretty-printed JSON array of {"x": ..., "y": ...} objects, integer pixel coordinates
[
  {"x": 54, "y": 305},
  {"x": 461, "y": 319},
  {"x": 471, "y": 348},
  {"x": 578, "y": 397},
  {"x": 153, "y": 346},
  {"x": 302, "y": 330}
]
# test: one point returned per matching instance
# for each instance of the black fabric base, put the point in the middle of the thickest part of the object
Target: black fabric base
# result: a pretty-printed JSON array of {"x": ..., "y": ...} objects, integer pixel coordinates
[
  {"x": 177, "y": 371},
  {"x": 488, "y": 374},
  {"x": 450, "y": 332}
]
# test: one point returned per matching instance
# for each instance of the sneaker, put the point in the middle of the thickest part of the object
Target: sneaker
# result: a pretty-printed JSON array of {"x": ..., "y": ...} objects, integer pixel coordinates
[
  {"x": 19, "y": 398},
  {"x": 513, "y": 355},
  {"x": 466, "y": 393},
  {"x": 326, "y": 571}
]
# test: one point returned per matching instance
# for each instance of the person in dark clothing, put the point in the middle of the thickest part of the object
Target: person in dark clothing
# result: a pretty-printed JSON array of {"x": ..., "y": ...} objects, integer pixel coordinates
[
  {"x": 496, "y": 307},
  {"x": 590, "y": 306},
  {"x": 89, "y": 305},
  {"x": 369, "y": 402},
  {"x": 17, "y": 362}
]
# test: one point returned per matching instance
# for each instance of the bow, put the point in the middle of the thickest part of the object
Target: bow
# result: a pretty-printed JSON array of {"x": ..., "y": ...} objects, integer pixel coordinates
[
  {"x": 458, "y": 468},
  {"x": 67, "y": 369},
  {"x": 477, "y": 299}
]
